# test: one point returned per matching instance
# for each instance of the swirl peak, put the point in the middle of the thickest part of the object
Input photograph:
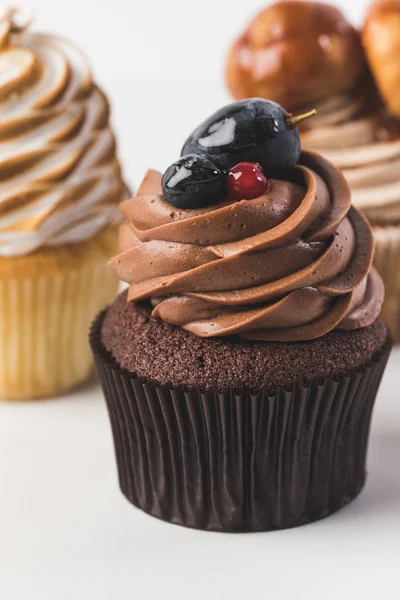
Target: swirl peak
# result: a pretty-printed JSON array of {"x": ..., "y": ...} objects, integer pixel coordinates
[{"x": 13, "y": 19}]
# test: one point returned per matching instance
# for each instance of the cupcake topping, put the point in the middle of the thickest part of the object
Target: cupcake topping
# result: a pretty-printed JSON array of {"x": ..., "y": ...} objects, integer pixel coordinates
[
  {"x": 193, "y": 181},
  {"x": 252, "y": 130},
  {"x": 60, "y": 179},
  {"x": 247, "y": 181},
  {"x": 236, "y": 147},
  {"x": 290, "y": 264},
  {"x": 298, "y": 53}
]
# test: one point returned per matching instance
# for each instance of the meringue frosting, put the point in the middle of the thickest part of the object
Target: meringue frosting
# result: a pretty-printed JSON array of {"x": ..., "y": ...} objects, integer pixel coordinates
[
  {"x": 365, "y": 145},
  {"x": 60, "y": 178},
  {"x": 290, "y": 265}
]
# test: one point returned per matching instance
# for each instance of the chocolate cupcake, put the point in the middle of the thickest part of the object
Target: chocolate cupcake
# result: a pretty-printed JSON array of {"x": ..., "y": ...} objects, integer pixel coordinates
[{"x": 241, "y": 367}]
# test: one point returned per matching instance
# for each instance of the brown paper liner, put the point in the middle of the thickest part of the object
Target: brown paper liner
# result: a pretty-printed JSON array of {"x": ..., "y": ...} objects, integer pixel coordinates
[
  {"x": 387, "y": 261},
  {"x": 236, "y": 460}
]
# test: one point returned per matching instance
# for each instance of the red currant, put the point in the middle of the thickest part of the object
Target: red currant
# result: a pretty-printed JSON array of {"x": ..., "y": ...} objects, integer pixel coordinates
[{"x": 246, "y": 181}]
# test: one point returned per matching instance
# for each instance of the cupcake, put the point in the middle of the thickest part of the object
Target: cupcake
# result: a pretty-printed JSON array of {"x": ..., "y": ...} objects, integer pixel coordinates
[
  {"x": 59, "y": 192},
  {"x": 241, "y": 366},
  {"x": 307, "y": 55}
]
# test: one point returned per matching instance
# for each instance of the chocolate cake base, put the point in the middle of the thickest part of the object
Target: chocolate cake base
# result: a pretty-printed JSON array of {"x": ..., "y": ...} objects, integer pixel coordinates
[
  {"x": 166, "y": 354},
  {"x": 272, "y": 453}
]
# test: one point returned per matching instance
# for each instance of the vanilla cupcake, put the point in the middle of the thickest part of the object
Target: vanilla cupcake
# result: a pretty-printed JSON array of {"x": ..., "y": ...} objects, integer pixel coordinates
[
  {"x": 59, "y": 188},
  {"x": 309, "y": 56}
]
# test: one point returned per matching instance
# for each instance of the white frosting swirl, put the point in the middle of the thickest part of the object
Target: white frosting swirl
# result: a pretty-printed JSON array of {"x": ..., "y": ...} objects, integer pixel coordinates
[
  {"x": 60, "y": 180},
  {"x": 371, "y": 167}
]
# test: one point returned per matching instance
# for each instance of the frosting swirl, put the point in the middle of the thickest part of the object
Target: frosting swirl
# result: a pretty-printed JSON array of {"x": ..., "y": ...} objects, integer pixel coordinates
[
  {"x": 60, "y": 177},
  {"x": 290, "y": 265},
  {"x": 365, "y": 145}
]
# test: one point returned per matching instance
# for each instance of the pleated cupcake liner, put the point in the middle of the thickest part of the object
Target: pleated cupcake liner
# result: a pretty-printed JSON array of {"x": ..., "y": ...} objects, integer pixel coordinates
[
  {"x": 237, "y": 460},
  {"x": 44, "y": 321},
  {"x": 387, "y": 261}
]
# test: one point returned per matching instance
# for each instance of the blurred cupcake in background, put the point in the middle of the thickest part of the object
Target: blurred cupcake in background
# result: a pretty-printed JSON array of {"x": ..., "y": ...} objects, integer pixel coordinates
[
  {"x": 59, "y": 190},
  {"x": 307, "y": 55}
]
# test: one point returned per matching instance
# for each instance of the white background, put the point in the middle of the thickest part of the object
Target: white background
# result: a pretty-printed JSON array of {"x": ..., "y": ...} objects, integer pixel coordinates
[{"x": 66, "y": 533}]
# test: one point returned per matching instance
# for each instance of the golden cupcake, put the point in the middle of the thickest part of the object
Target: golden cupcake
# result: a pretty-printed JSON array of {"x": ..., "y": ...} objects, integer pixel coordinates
[
  {"x": 353, "y": 128},
  {"x": 59, "y": 190}
]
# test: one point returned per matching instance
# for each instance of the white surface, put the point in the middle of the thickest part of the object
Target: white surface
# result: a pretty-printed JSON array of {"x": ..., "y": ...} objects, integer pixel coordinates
[{"x": 66, "y": 532}]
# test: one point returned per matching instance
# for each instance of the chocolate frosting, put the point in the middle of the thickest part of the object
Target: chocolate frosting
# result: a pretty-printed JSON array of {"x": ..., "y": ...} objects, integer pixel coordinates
[{"x": 290, "y": 265}]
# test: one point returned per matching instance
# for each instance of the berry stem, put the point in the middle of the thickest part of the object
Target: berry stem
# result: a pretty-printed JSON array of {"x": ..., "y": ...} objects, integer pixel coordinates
[{"x": 294, "y": 121}]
